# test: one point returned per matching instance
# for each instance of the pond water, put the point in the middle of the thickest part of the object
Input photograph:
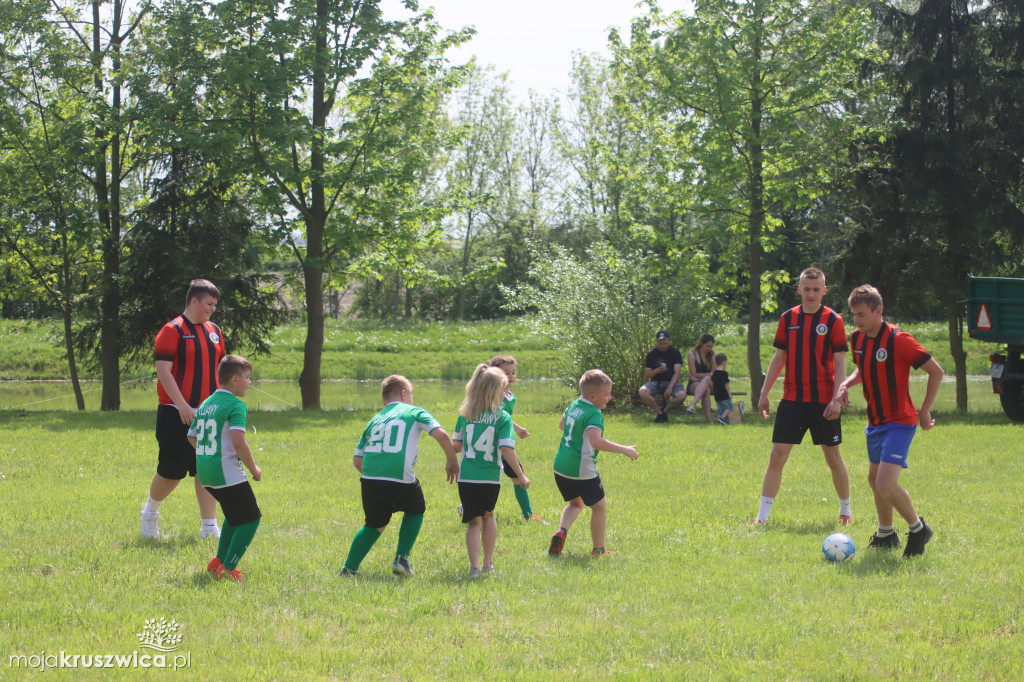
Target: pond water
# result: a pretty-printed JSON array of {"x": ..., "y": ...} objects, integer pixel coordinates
[{"x": 531, "y": 396}]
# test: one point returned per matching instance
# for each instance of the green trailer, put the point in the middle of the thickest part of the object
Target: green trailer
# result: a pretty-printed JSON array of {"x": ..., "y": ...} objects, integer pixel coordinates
[{"x": 995, "y": 312}]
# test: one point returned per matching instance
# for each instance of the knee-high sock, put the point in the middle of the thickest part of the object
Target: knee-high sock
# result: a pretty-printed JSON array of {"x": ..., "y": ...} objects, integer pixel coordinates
[
  {"x": 227, "y": 532},
  {"x": 239, "y": 543},
  {"x": 523, "y": 498},
  {"x": 361, "y": 546},
  {"x": 407, "y": 533}
]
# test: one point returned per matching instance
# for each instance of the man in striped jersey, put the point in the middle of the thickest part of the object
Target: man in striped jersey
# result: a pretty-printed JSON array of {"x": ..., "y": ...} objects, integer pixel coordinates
[
  {"x": 187, "y": 352},
  {"x": 884, "y": 356},
  {"x": 810, "y": 344}
]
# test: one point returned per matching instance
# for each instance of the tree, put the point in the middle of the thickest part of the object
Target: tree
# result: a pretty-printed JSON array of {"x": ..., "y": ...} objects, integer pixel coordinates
[
  {"x": 943, "y": 192},
  {"x": 329, "y": 95},
  {"x": 753, "y": 89}
]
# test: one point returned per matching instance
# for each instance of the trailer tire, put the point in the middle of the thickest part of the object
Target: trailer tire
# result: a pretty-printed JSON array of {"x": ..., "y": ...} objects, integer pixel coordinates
[{"x": 1012, "y": 399}]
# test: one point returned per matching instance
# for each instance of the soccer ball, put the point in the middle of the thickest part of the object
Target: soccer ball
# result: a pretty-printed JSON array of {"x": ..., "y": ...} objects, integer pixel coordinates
[{"x": 838, "y": 547}]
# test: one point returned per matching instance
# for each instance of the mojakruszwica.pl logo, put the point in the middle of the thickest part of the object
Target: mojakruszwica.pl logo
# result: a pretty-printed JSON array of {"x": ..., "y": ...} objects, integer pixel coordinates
[{"x": 159, "y": 642}]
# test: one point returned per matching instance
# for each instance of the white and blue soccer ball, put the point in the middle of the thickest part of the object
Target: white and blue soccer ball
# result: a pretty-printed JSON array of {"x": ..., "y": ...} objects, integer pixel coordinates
[{"x": 838, "y": 547}]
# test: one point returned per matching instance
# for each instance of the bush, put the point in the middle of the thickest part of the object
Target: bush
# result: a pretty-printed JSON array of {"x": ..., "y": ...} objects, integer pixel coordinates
[{"x": 604, "y": 311}]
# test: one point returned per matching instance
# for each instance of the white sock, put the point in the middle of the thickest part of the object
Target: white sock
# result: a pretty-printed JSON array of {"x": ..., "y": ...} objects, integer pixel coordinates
[
  {"x": 844, "y": 507},
  {"x": 765, "y": 509},
  {"x": 916, "y": 525},
  {"x": 210, "y": 523},
  {"x": 885, "y": 531},
  {"x": 152, "y": 505}
]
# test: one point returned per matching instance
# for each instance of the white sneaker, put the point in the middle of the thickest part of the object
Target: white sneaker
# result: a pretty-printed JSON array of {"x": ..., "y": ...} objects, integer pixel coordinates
[
  {"x": 150, "y": 522},
  {"x": 209, "y": 531}
]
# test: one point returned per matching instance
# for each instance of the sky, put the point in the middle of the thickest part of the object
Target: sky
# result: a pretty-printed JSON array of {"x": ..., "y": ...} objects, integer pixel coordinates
[{"x": 533, "y": 40}]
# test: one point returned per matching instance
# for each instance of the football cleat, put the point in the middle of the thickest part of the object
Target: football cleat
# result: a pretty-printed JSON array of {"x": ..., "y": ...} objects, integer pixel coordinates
[
  {"x": 214, "y": 563},
  {"x": 487, "y": 570},
  {"x": 557, "y": 541},
  {"x": 474, "y": 573},
  {"x": 210, "y": 531},
  {"x": 917, "y": 541},
  {"x": 401, "y": 567},
  {"x": 890, "y": 541},
  {"x": 150, "y": 522},
  {"x": 600, "y": 553},
  {"x": 345, "y": 573},
  {"x": 235, "y": 575},
  {"x": 845, "y": 519}
]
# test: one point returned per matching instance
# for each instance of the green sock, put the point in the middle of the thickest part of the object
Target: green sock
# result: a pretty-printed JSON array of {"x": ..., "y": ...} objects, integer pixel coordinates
[
  {"x": 241, "y": 537},
  {"x": 227, "y": 531},
  {"x": 407, "y": 534},
  {"x": 361, "y": 546},
  {"x": 523, "y": 498}
]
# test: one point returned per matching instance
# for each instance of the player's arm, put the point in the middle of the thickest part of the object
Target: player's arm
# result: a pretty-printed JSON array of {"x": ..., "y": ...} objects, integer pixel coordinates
[
  {"x": 935, "y": 374},
  {"x": 451, "y": 466},
  {"x": 843, "y": 392},
  {"x": 166, "y": 378},
  {"x": 728, "y": 389},
  {"x": 520, "y": 431},
  {"x": 599, "y": 442},
  {"x": 778, "y": 361},
  {"x": 834, "y": 408},
  {"x": 357, "y": 462},
  {"x": 243, "y": 453},
  {"x": 513, "y": 461}
]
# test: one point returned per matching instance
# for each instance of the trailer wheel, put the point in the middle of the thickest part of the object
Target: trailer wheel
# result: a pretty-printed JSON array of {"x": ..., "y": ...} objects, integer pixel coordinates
[{"x": 1012, "y": 398}]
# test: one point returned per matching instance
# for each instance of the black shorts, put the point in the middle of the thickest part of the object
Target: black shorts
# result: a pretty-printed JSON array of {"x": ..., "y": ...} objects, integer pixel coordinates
[
  {"x": 508, "y": 469},
  {"x": 792, "y": 419},
  {"x": 590, "y": 489},
  {"x": 477, "y": 499},
  {"x": 177, "y": 458},
  {"x": 381, "y": 499},
  {"x": 238, "y": 503}
]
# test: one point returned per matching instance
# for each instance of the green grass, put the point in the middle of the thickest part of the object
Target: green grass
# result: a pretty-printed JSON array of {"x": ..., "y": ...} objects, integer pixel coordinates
[
  {"x": 440, "y": 350},
  {"x": 692, "y": 592}
]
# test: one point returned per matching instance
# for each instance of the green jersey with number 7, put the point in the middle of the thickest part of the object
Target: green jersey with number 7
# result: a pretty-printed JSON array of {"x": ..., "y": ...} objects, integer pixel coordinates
[{"x": 575, "y": 457}]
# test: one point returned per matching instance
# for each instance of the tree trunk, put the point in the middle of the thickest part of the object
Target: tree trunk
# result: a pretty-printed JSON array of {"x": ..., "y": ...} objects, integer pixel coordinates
[
  {"x": 408, "y": 302},
  {"x": 66, "y": 312},
  {"x": 312, "y": 353},
  {"x": 755, "y": 225},
  {"x": 465, "y": 266}
]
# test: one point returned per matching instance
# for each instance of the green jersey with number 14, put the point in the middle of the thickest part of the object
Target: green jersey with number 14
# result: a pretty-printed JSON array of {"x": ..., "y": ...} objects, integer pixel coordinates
[
  {"x": 217, "y": 464},
  {"x": 481, "y": 441},
  {"x": 575, "y": 457},
  {"x": 390, "y": 443}
]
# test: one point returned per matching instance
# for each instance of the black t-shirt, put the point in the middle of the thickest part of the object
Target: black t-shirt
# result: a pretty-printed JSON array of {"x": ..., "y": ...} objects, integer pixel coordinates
[
  {"x": 719, "y": 378},
  {"x": 671, "y": 357}
]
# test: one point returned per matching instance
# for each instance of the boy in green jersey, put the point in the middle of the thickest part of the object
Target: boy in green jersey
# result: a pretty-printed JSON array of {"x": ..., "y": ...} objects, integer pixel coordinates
[
  {"x": 483, "y": 429},
  {"x": 576, "y": 460},
  {"x": 218, "y": 435},
  {"x": 507, "y": 364},
  {"x": 385, "y": 457}
]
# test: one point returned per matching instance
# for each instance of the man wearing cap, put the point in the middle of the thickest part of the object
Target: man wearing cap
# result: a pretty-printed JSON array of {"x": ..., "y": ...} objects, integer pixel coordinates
[{"x": 661, "y": 368}]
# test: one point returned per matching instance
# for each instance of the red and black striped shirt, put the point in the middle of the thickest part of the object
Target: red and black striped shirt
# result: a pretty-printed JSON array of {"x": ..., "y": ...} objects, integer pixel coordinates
[
  {"x": 810, "y": 341},
  {"x": 884, "y": 363},
  {"x": 194, "y": 350}
]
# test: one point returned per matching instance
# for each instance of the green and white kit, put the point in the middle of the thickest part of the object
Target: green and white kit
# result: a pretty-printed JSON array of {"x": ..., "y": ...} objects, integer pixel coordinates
[
  {"x": 217, "y": 463},
  {"x": 390, "y": 442},
  {"x": 482, "y": 440},
  {"x": 575, "y": 457}
]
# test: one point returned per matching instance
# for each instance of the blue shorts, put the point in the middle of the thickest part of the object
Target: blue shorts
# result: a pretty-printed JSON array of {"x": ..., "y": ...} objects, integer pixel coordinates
[
  {"x": 890, "y": 443},
  {"x": 723, "y": 407}
]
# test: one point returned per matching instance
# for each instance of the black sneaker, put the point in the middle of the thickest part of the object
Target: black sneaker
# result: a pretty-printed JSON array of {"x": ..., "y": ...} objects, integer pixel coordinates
[
  {"x": 661, "y": 418},
  {"x": 345, "y": 573},
  {"x": 890, "y": 541},
  {"x": 401, "y": 567},
  {"x": 917, "y": 541}
]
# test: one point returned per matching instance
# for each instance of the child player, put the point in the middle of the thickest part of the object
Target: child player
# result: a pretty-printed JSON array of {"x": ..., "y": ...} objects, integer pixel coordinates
[
  {"x": 483, "y": 429},
  {"x": 507, "y": 364},
  {"x": 884, "y": 356},
  {"x": 576, "y": 460},
  {"x": 218, "y": 435},
  {"x": 385, "y": 457},
  {"x": 720, "y": 388}
]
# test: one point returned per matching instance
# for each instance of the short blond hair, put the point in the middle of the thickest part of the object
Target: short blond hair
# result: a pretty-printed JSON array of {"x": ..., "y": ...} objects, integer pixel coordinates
[
  {"x": 593, "y": 380},
  {"x": 865, "y": 293},
  {"x": 813, "y": 273},
  {"x": 484, "y": 392},
  {"x": 503, "y": 361},
  {"x": 392, "y": 385}
]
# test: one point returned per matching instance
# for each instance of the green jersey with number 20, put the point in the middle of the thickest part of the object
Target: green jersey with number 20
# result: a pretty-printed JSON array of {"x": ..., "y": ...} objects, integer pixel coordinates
[
  {"x": 575, "y": 457},
  {"x": 481, "y": 442},
  {"x": 217, "y": 464},
  {"x": 391, "y": 441}
]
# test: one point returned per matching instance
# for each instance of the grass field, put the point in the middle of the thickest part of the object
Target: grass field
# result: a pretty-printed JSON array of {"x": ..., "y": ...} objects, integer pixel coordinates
[{"x": 692, "y": 592}]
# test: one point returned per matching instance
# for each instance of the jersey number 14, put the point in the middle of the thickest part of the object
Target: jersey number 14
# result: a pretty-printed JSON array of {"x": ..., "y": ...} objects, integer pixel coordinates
[{"x": 484, "y": 445}]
